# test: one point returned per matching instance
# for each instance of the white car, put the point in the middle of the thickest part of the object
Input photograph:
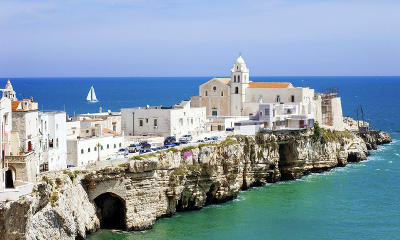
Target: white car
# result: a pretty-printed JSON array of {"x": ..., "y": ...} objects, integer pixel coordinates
[{"x": 186, "y": 138}]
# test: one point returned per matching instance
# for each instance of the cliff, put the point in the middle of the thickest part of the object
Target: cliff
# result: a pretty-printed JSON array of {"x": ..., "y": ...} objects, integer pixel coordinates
[{"x": 69, "y": 205}]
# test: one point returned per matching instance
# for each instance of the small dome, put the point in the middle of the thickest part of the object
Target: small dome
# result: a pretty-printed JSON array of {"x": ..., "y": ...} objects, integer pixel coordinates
[
  {"x": 8, "y": 85},
  {"x": 240, "y": 60}
]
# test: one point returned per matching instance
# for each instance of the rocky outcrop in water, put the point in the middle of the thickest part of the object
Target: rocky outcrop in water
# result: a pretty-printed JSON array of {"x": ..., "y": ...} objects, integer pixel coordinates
[{"x": 132, "y": 196}]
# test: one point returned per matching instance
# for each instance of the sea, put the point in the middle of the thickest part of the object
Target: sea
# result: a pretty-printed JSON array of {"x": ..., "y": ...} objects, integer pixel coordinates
[{"x": 359, "y": 201}]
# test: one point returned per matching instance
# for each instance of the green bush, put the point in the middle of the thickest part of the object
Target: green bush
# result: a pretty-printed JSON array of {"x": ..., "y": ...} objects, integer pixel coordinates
[
  {"x": 48, "y": 180},
  {"x": 53, "y": 199}
]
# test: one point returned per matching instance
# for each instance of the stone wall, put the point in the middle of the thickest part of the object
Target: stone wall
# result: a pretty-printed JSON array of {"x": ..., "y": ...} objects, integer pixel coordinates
[{"x": 157, "y": 185}]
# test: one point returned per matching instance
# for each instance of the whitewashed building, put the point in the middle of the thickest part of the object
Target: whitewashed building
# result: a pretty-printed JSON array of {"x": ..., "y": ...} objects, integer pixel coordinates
[
  {"x": 238, "y": 96},
  {"x": 7, "y": 176},
  {"x": 109, "y": 120},
  {"x": 53, "y": 141},
  {"x": 89, "y": 141},
  {"x": 177, "y": 120}
]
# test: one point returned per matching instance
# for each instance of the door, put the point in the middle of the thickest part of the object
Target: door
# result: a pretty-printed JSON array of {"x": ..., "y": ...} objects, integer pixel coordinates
[
  {"x": 9, "y": 179},
  {"x": 301, "y": 123},
  {"x": 219, "y": 128},
  {"x": 29, "y": 146}
]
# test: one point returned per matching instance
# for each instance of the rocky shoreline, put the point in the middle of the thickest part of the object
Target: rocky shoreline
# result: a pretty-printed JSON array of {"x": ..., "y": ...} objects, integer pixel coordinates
[{"x": 132, "y": 196}]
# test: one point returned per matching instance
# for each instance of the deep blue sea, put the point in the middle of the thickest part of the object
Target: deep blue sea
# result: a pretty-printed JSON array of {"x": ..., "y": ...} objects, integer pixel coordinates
[{"x": 359, "y": 201}]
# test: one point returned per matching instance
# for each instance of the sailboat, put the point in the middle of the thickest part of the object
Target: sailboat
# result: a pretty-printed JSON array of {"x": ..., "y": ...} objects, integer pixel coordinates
[{"x": 91, "y": 97}]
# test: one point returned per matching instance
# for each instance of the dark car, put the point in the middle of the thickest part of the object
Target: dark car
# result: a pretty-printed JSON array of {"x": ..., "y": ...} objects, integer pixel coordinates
[
  {"x": 145, "y": 145},
  {"x": 229, "y": 129},
  {"x": 169, "y": 140}
]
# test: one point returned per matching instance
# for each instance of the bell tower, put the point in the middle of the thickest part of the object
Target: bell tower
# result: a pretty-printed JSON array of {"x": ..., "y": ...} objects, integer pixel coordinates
[{"x": 238, "y": 85}]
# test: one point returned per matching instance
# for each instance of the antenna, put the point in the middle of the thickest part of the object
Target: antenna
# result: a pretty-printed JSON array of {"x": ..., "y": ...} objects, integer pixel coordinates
[{"x": 240, "y": 54}]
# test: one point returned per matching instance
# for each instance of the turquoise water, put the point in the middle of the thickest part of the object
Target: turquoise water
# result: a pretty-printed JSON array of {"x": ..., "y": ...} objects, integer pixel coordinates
[{"x": 359, "y": 201}]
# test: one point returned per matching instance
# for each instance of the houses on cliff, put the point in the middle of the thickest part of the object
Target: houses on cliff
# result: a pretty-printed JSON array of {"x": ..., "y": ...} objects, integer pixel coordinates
[
  {"x": 34, "y": 141},
  {"x": 269, "y": 105}
]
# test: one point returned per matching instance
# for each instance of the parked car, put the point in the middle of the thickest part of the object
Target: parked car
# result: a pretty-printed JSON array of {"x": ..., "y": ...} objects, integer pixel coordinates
[
  {"x": 215, "y": 138},
  {"x": 123, "y": 151},
  {"x": 229, "y": 129},
  {"x": 145, "y": 145},
  {"x": 169, "y": 140},
  {"x": 134, "y": 148},
  {"x": 186, "y": 138}
]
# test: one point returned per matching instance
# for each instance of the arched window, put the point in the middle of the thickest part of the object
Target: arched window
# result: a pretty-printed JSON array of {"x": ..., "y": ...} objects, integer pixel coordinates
[
  {"x": 222, "y": 93},
  {"x": 292, "y": 98},
  {"x": 236, "y": 90},
  {"x": 234, "y": 78},
  {"x": 238, "y": 78},
  {"x": 278, "y": 98},
  {"x": 88, "y": 150},
  {"x": 206, "y": 93},
  {"x": 214, "y": 88},
  {"x": 82, "y": 151}
]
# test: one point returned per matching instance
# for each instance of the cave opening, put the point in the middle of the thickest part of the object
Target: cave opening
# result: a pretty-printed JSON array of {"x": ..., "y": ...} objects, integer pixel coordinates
[
  {"x": 111, "y": 211},
  {"x": 286, "y": 161}
]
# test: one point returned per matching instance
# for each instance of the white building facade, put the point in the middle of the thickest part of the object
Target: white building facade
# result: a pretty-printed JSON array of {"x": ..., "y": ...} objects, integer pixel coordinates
[
  {"x": 175, "y": 121},
  {"x": 53, "y": 141}
]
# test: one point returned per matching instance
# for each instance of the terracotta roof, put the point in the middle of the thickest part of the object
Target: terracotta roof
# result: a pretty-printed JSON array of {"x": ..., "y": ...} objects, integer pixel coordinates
[
  {"x": 15, "y": 105},
  {"x": 109, "y": 131},
  {"x": 224, "y": 80},
  {"x": 269, "y": 85}
]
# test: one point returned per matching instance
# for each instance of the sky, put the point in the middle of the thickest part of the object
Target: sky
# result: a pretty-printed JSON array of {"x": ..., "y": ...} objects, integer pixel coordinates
[{"x": 127, "y": 38}]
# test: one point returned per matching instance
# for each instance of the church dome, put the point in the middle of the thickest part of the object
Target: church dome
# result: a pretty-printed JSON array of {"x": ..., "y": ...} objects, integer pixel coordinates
[
  {"x": 9, "y": 86},
  {"x": 240, "y": 60}
]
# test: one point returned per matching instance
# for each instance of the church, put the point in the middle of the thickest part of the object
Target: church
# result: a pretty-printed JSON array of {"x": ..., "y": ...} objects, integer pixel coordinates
[{"x": 238, "y": 96}]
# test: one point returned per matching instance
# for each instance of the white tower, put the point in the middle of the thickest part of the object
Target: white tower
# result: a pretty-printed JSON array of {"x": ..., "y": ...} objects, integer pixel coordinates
[
  {"x": 10, "y": 93},
  {"x": 239, "y": 83}
]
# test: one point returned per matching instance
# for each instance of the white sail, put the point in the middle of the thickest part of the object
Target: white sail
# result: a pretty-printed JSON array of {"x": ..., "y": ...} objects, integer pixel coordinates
[
  {"x": 91, "y": 97},
  {"x": 94, "y": 99}
]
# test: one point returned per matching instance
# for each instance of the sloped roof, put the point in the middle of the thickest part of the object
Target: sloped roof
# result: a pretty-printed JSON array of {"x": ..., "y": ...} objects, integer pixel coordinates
[
  {"x": 15, "y": 106},
  {"x": 270, "y": 85},
  {"x": 109, "y": 131},
  {"x": 224, "y": 80}
]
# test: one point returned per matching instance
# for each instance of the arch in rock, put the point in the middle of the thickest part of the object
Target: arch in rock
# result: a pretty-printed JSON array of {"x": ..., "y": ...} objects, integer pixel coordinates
[{"x": 111, "y": 211}]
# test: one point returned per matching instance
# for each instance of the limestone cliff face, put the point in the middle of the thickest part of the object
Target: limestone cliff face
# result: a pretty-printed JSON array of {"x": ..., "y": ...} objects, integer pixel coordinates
[{"x": 68, "y": 205}]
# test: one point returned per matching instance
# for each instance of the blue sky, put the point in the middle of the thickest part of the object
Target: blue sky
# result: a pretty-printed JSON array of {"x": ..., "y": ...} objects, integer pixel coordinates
[{"x": 198, "y": 37}]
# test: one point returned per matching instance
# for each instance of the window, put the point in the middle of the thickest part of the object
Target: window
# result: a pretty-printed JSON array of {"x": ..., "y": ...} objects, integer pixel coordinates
[
  {"x": 278, "y": 98},
  {"x": 155, "y": 123},
  {"x": 234, "y": 78},
  {"x": 115, "y": 145},
  {"x": 114, "y": 127},
  {"x": 206, "y": 93},
  {"x": 88, "y": 150},
  {"x": 222, "y": 93},
  {"x": 120, "y": 144},
  {"x": 108, "y": 146},
  {"x": 82, "y": 151},
  {"x": 141, "y": 122},
  {"x": 147, "y": 120},
  {"x": 101, "y": 147},
  {"x": 214, "y": 113},
  {"x": 56, "y": 142},
  {"x": 236, "y": 90},
  {"x": 215, "y": 88},
  {"x": 292, "y": 98},
  {"x": 238, "y": 78},
  {"x": 87, "y": 131},
  {"x": 95, "y": 148}
]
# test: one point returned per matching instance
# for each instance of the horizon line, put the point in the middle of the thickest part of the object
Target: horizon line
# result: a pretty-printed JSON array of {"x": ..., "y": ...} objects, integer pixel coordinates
[{"x": 199, "y": 76}]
